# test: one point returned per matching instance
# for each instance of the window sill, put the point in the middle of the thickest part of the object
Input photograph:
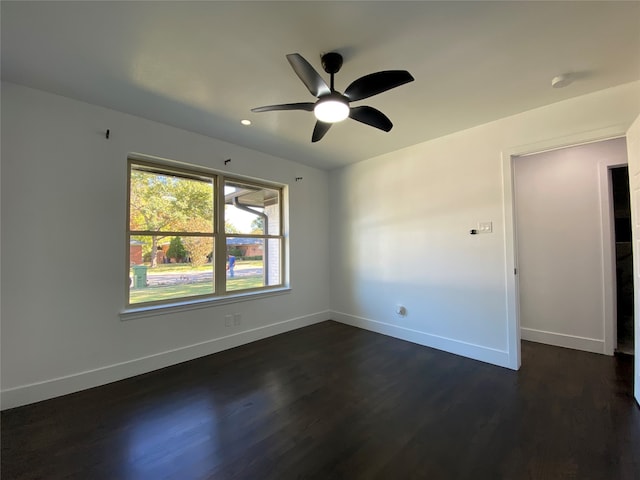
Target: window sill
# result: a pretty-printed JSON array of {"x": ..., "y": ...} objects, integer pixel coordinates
[{"x": 152, "y": 311}]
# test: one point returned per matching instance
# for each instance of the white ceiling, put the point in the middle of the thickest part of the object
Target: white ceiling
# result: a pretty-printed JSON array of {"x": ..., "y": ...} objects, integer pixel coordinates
[{"x": 202, "y": 66}]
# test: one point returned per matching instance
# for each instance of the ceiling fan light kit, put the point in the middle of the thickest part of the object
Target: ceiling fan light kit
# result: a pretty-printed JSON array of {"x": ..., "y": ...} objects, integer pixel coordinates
[{"x": 333, "y": 106}]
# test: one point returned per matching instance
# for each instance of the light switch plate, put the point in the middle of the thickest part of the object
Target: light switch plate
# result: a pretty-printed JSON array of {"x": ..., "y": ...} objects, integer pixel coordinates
[{"x": 485, "y": 227}]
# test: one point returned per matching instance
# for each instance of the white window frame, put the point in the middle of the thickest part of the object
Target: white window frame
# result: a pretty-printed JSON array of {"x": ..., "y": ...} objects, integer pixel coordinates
[{"x": 219, "y": 236}]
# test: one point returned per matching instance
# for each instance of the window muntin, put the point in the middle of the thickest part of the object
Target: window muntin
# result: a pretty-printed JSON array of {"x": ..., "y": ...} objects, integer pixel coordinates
[
  {"x": 172, "y": 212},
  {"x": 257, "y": 263},
  {"x": 253, "y": 233}
]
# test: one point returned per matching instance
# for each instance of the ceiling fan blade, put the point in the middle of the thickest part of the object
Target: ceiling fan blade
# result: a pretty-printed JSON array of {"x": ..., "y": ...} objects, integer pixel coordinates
[
  {"x": 307, "y": 106},
  {"x": 320, "y": 129},
  {"x": 313, "y": 81},
  {"x": 371, "y": 116},
  {"x": 376, "y": 83}
]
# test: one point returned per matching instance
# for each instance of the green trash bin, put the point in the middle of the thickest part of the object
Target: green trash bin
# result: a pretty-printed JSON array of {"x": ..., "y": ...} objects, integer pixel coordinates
[{"x": 139, "y": 276}]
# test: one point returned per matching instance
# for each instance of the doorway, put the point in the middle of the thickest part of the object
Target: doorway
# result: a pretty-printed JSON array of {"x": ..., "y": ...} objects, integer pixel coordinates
[
  {"x": 624, "y": 260},
  {"x": 564, "y": 242}
]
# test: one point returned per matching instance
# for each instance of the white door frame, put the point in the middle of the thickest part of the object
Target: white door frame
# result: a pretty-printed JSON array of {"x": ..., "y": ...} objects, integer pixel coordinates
[
  {"x": 511, "y": 277},
  {"x": 609, "y": 258},
  {"x": 633, "y": 157}
]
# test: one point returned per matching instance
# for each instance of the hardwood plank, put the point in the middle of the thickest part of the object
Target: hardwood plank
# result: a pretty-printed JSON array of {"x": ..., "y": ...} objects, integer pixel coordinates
[{"x": 331, "y": 401}]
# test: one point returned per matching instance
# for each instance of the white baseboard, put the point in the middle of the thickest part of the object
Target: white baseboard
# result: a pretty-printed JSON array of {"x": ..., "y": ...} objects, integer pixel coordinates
[
  {"x": 562, "y": 340},
  {"x": 469, "y": 350},
  {"x": 35, "y": 392}
]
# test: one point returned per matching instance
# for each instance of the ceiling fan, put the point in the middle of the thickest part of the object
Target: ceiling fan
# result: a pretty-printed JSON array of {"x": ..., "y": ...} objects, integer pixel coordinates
[{"x": 333, "y": 106}]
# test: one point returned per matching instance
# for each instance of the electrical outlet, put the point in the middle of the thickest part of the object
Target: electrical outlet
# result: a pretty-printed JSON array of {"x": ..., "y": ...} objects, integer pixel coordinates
[
  {"x": 237, "y": 319},
  {"x": 228, "y": 320}
]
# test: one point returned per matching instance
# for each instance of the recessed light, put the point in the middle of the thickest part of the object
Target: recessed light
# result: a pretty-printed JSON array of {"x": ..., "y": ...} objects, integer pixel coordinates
[{"x": 245, "y": 122}]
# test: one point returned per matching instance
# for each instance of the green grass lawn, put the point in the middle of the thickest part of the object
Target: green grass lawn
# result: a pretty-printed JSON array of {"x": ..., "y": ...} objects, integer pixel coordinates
[
  {"x": 154, "y": 294},
  {"x": 168, "y": 292},
  {"x": 242, "y": 283}
]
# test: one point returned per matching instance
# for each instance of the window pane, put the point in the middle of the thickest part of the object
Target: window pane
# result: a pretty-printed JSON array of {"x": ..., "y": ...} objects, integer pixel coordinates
[
  {"x": 173, "y": 215},
  {"x": 162, "y": 201},
  {"x": 253, "y": 263},
  {"x": 181, "y": 267},
  {"x": 251, "y": 210}
]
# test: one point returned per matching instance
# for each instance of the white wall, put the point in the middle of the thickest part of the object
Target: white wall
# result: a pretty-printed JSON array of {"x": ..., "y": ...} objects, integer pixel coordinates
[
  {"x": 398, "y": 233},
  {"x": 400, "y": 227},
  {"x": 63, "y": 248},
  {"x": 560, "y": 231}
]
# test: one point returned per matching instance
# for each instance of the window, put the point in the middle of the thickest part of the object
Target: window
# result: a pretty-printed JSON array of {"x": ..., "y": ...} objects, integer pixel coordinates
[{"x": 195, "y": 234}]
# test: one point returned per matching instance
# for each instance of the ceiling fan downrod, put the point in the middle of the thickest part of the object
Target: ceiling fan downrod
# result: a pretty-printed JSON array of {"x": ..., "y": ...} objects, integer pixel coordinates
[{"x": 331, "y": 63}]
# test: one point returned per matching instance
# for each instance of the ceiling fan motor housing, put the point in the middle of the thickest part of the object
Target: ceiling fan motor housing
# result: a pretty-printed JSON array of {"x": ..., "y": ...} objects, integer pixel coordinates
[{"x": 331, "y": 62}]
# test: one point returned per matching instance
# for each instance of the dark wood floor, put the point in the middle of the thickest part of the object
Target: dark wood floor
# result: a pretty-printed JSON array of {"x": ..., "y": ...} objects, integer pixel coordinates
[{"x": 334, "y": 402}]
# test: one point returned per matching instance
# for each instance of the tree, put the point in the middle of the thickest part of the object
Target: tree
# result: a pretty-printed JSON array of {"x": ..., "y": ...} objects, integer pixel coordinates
[
  {"x": 230, "y": 227},
  {"x": 257, "y": 226},
  {"x": 176, "y": 249},
  {"x": 162, "y": 202},
  {"x": 198, "y": 248}
]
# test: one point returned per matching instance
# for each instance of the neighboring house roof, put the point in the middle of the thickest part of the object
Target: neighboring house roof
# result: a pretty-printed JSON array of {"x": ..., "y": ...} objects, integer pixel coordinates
[{"x": 244, "y": 241}]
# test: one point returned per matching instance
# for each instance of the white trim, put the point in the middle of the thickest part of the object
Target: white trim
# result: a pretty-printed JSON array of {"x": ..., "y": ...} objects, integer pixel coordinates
[
  {"x": 609, "y": 306},
  {"x": 633, "y": 159},
  {"x": 476, "y": 352},
  {"x": 183, "y": 306},
  {"x": 562, "y": 340},
  {"x": 218, "y": 180},
  {"x": 194, "y": 167},
  {"x": 511, "y": 277},
  {"x": 513, "y": 313},
  {"x": 35, "y": 392},
  {"x": 575, "y": 140}
]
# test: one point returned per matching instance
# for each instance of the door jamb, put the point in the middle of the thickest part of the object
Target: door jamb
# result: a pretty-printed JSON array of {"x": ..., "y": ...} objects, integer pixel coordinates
[
  {"x": 607, "y": 216},
  {"x": 511, "y": 278}
]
